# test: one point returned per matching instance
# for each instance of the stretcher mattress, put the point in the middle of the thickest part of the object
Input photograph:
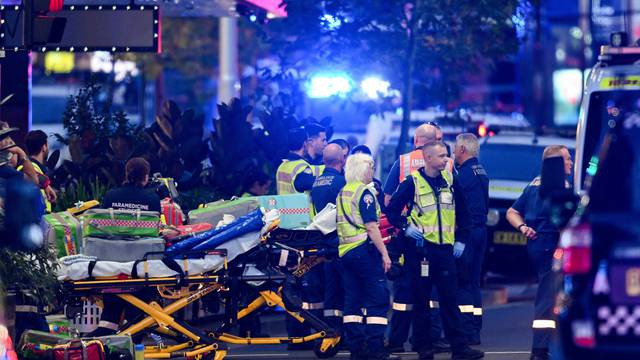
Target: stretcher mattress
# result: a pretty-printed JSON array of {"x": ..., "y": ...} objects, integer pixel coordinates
[{"x": 77, "y": 268}]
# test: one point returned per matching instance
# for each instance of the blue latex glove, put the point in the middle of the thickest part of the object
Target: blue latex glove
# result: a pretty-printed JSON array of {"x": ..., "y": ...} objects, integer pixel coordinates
[
  {"x": 412, "y": 232},
  {"x": 458, "y": 249}
]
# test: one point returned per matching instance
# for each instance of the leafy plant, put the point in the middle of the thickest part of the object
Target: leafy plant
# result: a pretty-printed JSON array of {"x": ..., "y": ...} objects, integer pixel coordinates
[
  {"x": 80, "y": 191},
  {"x": 32, "y": 273},
  {"x": 100, "y": 142}
]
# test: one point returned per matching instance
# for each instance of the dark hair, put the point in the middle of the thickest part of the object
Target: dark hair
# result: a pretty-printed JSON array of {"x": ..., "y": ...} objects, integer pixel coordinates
[
  {"x": 34, "y": 141},
  {"x": 361, "y": 149},
  {"x": 314, "y": 130},
  {"x": 136, "y": 171},
  {"x": 297, "y": 137},
  {"x": 254, "y": 176},
  {"x": 344, "y": 144}
]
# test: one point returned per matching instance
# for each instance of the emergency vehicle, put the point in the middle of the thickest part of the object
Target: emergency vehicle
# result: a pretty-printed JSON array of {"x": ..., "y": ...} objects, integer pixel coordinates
[{"x": 598, "y": 306}]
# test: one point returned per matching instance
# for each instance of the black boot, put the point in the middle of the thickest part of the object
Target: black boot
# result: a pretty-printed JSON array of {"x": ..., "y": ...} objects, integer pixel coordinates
[
  {"x": 425, "y": 354},
  {"x": 467, "y": 354},
  {"x": 540, "y": 354}
]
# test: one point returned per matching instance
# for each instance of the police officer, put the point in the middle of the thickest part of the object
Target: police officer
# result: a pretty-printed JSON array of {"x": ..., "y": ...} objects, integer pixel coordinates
[
  {"x": 402, "y": 294},
  {"x": 530, "y": 218},
  {"x": 364, "y": 261},
  {"x": 325, "y": 191},
  {"x": 428, "y": 196},
  {"x": 471, "y": 218},
  {"x": 131, "y": 196}
]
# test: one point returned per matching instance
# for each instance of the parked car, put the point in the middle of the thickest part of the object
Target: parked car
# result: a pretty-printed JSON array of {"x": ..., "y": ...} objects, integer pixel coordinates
[{"x": 512, "y": 161}]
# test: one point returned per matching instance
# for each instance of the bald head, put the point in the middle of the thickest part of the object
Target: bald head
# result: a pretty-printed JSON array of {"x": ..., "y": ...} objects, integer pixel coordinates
[
  {"x": 333, "y": 157},
  {"x": 424, "y": 134}
]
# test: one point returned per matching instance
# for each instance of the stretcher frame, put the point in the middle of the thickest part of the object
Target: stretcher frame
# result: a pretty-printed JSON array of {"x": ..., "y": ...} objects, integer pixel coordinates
[{"x": 201, "y": 344}]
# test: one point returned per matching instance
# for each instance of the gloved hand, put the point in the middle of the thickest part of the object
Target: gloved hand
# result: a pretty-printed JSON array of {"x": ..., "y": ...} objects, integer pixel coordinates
[
  {"x": 412, "y": 232},
  {"x": 458, "y": 249}
]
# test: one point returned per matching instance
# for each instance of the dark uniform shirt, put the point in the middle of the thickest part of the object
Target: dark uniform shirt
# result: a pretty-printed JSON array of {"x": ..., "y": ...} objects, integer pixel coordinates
[
  {"x": 304, "y": 181},
  {"x": 326, "y": 188},
  {"x": 532, "y": 208},
  {"x": 131, "y": 197},
  {"x": 471, "y": 207},
  {"x": 406, "y": 192},
  {"x": 368, "y": 208},
  {"x": 393, "y": 180},
  {"x": 315, "y": 161}
]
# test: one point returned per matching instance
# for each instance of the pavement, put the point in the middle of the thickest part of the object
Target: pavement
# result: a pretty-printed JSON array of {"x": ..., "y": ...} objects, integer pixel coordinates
[{"x": 506, "y": 335}]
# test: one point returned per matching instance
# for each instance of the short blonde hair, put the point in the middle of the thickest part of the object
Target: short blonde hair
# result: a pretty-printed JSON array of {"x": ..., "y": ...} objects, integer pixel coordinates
[
  {"x": 357, "y": 166},
  {"x": 553, "y": 150}
]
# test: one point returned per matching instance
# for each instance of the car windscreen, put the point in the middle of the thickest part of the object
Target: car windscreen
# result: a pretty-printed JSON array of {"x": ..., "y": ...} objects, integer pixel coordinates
[
  {"x": 514, "y": 162},
  {"x": 603, "y": 107},
  {"x": 616, "y": 185}
]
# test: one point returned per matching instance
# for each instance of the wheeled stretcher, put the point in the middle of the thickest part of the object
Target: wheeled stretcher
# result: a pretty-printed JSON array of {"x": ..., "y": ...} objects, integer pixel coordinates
[{"x": 281, "y": 256}]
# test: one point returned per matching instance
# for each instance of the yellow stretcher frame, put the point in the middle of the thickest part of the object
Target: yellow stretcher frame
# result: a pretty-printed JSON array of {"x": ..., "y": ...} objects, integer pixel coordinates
[{"x": 201, "y": 343}]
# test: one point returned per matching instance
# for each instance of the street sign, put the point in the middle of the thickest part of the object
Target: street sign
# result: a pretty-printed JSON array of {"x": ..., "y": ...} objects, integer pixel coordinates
[{"x": 115, "y": 28}]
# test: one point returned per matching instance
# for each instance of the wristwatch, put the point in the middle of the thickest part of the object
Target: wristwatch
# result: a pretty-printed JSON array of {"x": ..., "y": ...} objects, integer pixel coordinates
[{"x": 520, "y": 226}]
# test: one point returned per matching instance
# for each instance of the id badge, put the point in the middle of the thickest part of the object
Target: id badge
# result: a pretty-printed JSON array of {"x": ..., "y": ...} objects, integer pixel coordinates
[{"x": 424, "y": 268}]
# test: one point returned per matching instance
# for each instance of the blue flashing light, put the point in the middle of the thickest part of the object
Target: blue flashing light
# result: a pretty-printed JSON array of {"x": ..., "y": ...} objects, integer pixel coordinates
[
  {"x": 374, "y": 87},
  {"x": 327, "y": 85},
  {"x": 331, "y": 22}
]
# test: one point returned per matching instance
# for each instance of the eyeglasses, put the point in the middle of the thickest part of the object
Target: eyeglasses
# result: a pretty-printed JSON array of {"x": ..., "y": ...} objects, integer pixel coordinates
[{"x": 432, "y": 123}]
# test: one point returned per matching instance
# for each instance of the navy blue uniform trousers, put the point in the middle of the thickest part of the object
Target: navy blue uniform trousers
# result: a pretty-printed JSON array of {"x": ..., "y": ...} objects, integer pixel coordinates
[
  {"x": 442, "y": 274},
  {"x": 365, "y": 286}
]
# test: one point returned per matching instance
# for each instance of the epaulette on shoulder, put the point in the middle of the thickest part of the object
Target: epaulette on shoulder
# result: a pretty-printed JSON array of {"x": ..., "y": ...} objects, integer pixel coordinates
[{"x": 535, "y": 182}]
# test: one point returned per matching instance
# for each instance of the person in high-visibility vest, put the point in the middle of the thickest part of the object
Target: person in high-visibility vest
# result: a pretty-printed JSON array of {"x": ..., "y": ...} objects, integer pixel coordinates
[
  {"x": 409, "y": 162},
  {"x": 316, "y": 142},
  {"x": 15, "y": 160},
  {"x": 429, "y": 197},
  {"x": 38, "y": 151},
  {"x": 401, "y": 317},
  {"x": 294, "y": 175},
  {"x": 257, "y": 183},
  {"x": 364, "y": 260}
]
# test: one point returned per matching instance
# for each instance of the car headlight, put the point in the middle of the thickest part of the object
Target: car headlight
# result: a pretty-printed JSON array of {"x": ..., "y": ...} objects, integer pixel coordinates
[{"x": 493, "y": 217}]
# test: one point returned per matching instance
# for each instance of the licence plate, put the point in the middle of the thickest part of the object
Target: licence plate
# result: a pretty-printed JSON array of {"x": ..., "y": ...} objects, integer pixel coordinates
[
  {"x": 509, "y": 238},
  {"x": 632, "y": 282}
]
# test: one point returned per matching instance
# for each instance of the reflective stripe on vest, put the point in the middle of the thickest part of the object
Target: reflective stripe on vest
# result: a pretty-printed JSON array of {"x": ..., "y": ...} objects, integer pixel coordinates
[
  {"x": 425, "y": 215},
  {"x": 410, "y": 162},
  {"x": 350, "y": 224}
]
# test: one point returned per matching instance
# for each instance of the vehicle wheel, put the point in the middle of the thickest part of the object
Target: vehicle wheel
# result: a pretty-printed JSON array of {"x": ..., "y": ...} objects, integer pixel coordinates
[{"x": 331, "y": 352}]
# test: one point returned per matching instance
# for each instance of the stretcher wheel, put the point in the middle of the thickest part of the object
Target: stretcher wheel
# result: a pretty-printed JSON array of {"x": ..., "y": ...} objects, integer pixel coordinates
[{"x": 329, "y": 353}]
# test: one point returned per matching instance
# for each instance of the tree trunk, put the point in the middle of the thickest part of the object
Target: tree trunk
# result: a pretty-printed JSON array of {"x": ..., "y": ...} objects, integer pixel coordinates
[{"x": 407, "y": 86}]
